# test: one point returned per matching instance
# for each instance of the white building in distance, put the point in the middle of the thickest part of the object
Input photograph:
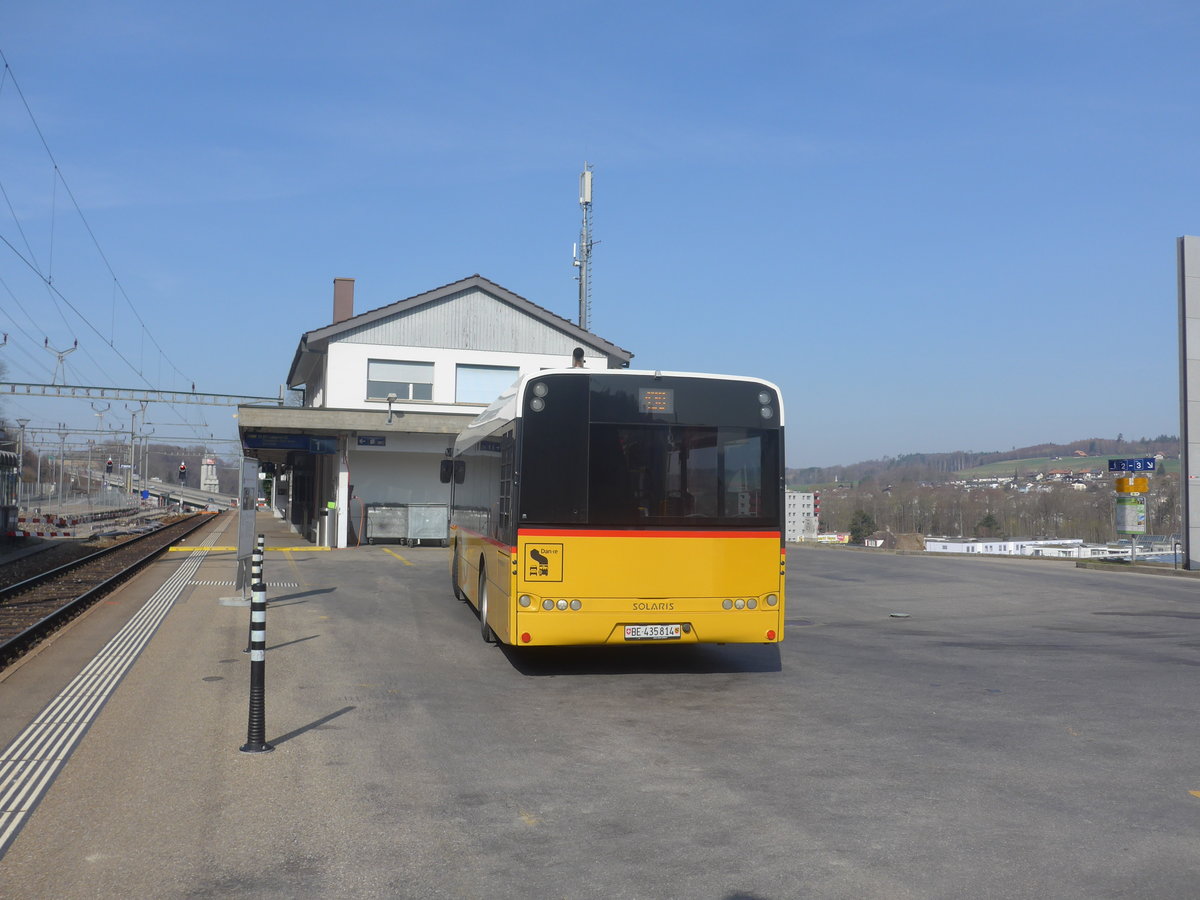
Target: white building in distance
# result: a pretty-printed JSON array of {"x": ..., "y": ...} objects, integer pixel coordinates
[
  {"x": 802, "y": 515},
  {"x": 1069, "y": 548}
]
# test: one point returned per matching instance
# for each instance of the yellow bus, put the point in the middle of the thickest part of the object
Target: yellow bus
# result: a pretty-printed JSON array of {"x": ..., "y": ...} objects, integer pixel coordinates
[{"x": 622, "y": 507}]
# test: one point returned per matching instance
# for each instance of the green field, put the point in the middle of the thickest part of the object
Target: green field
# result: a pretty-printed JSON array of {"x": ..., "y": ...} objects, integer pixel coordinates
[
  {"x": 1024, "y": 468},
  {"x": 1047, "y": 464}
]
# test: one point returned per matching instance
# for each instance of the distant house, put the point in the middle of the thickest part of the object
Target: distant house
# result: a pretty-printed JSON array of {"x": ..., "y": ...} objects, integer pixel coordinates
[
  {"x": 882, "y": 539},
  {"x": 386, "y": 391}
]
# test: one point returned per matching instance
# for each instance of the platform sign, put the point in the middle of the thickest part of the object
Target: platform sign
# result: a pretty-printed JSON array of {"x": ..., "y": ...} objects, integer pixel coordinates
[
  {"x": 1133, "y": 485},
  {"x": 1141, "y": 464},
  {"x": 311, "y": 443},
  {"x": 1131, "y": 515},
  {"x": 245, "y": 545}
]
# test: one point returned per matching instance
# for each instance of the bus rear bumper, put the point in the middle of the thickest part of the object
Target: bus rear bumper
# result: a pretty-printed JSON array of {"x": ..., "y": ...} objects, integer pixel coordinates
[{"x": 571, "y": 627}]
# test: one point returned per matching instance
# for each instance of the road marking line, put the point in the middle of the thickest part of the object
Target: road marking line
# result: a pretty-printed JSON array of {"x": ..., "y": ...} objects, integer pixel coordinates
[
  {"x": 397, "y": 555},
  {"x": 287, "y": 554},
  {"x": 232, "y": 549}
]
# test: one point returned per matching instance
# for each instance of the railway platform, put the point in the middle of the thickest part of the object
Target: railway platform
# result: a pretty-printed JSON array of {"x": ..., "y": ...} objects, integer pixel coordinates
[{"x": 149, "y": 792}]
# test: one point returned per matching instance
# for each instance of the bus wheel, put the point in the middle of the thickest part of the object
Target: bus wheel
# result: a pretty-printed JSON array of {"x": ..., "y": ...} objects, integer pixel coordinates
[
  {"x": 484, "y": 628},
  {"x": 454, "y": 585}
]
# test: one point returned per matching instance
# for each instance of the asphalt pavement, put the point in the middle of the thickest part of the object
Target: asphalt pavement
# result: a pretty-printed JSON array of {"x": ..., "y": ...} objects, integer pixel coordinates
[{"x": 930, "y": 727}]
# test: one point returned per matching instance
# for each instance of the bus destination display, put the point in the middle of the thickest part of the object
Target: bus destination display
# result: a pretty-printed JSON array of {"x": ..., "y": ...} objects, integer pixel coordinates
[{"x": 656, "y": 400}]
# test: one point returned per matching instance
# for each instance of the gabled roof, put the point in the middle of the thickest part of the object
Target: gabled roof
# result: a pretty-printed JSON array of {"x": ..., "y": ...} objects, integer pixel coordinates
[{"x": 317, "y": 340}]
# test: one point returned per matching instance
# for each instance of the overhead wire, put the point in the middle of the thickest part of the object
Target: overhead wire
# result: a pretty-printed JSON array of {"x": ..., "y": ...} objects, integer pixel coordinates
[
  {"x": 82, "y": 218},
  {"x": 47, "y": 277}
]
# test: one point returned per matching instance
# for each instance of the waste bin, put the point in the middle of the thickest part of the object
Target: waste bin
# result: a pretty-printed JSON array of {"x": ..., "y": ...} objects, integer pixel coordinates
[
  {"x": 387, "y": 521},
  {"x": 428, "y": 522}
]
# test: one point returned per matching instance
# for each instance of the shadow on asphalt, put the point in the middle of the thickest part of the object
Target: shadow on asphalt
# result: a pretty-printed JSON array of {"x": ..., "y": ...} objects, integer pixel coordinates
[
  {"x": 699, "y": 659},
  {"x": 324, "y": 720},
  {"x": 311, "y": 637},
  {"x": 282, "y": 598}
]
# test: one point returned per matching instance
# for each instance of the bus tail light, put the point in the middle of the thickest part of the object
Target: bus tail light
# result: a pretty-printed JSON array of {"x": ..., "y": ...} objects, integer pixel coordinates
[
  {"x": 526, "y": 638},
  {"x": 771, "y": 635}
]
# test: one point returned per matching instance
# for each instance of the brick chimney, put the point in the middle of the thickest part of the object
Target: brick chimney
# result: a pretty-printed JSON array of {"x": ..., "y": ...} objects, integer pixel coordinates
[{"x": 343, "y": 299}]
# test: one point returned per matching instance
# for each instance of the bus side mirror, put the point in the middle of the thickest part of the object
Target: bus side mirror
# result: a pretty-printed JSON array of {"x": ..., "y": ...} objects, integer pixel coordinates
[
  {"x": 446, "y": 470},
  {"x": 460, "y": 471}
]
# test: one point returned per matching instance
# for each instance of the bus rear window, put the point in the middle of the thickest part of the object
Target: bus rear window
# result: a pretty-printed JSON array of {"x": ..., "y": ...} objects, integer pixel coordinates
[{"x": 658, "y": 474}]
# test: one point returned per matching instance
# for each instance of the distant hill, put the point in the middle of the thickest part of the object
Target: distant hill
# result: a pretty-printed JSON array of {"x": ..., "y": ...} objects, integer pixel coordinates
[{"x": 936, "y": 467}]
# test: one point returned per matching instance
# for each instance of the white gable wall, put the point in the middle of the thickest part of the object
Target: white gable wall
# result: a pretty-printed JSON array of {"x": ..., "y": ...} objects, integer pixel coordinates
[{"x": 347, "y": 373}]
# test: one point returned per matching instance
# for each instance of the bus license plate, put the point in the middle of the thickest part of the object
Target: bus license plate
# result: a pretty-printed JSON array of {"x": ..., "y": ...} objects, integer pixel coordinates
[{"x": 652, "y": 632}]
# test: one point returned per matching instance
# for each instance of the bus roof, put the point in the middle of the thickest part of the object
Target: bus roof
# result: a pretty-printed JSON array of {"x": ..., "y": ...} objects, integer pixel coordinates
[{"x": 507, "y": 406}]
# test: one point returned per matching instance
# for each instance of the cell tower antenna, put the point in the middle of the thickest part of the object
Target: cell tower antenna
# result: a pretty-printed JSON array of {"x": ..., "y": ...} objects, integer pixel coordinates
[{"x": 583, "y": 252}]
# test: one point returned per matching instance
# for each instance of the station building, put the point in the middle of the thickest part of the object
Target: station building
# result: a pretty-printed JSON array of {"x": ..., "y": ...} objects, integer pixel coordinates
[{"x": 382, "y": 396}]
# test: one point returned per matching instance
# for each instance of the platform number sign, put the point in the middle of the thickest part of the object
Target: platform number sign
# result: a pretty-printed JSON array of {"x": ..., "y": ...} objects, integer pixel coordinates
[{"x": 1142, "y": 464}]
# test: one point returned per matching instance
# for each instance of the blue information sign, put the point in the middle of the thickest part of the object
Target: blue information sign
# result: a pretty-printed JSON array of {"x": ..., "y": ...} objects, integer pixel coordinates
[
  {"x": 1144, "y": 464},
  {"x": 313, "y": 443}
]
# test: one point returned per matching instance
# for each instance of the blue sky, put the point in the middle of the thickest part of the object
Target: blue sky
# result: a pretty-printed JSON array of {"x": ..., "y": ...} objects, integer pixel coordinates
[{"x": 936, "y": 225}]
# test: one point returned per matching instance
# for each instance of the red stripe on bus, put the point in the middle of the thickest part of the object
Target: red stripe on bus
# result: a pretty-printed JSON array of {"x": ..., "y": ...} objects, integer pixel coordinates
[
  {"x": 484, "y": 538},
  {"x": 583, "y": 532}
]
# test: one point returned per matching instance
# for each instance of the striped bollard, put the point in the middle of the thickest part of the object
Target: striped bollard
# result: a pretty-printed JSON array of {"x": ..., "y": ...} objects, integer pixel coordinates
[
  {"x": 256, "y": 580},
  {"x": 256, "y": 728}
]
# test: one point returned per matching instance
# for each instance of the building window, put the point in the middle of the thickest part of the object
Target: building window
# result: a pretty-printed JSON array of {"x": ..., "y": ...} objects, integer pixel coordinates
[
  {"x": 482, "y": 384},
  {"x": 407, "y": 380}
]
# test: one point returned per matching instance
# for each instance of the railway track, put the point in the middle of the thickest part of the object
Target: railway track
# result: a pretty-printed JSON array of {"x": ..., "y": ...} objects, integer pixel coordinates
[{"x": 36, "y": 607}]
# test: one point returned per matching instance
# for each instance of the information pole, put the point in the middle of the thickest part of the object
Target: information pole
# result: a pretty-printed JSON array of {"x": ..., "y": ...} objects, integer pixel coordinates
[
  {"x": 245, "y": 544},
  {"x": 1132, "y": 491}
]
